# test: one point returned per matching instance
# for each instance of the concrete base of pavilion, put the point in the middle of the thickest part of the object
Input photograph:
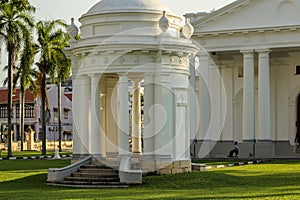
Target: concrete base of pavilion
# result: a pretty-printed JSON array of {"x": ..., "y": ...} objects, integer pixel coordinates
[
  {"x": 159, "y": 164},
  {"x": 265, "y": 149}
]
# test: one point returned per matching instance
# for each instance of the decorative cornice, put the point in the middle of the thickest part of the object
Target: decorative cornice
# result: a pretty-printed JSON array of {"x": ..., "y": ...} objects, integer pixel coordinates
[{"x": 248, "y": 31}]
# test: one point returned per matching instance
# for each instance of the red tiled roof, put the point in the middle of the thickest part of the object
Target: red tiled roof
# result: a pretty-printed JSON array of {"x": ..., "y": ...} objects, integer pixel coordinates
[
  {"x": 29, "y": 97},
  {"x": 69, "y": 96}
]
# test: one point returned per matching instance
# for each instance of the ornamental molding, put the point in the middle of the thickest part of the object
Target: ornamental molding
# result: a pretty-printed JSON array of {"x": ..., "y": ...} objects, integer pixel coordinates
[
  {"x": 181, "y": 96},
  {"x": 131, "y": 60},
  {"x": 265, "y": 30}
]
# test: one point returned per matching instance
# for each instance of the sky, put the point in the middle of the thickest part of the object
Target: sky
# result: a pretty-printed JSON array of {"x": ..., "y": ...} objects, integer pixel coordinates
[{"x": 65, "y": 9}]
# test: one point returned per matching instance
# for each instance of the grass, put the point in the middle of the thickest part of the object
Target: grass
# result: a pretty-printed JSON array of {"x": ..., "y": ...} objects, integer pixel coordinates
[
  {"x": 31, "y": 153},
  {"x": 278, "y": 180}
]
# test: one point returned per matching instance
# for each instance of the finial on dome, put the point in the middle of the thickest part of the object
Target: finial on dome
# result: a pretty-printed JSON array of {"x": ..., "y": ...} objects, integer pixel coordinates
[
  {"x": 187, "y": 29},
  {"x": 72, "y": 30},
  {"x": 164, "y": 23}
]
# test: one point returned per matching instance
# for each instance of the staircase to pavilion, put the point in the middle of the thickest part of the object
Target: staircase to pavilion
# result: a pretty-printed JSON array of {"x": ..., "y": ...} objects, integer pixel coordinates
[
  {"x": 297, "y": 150},
  {"x": 93, "y": 176}
]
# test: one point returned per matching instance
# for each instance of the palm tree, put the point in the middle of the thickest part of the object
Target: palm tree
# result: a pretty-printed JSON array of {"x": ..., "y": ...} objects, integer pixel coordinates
[
  {"x": 16, "y": 23},
  {"x": 63, "y": 71},
  {"x": 51, "y": 42},
  {"x": 26, "y": 76}
]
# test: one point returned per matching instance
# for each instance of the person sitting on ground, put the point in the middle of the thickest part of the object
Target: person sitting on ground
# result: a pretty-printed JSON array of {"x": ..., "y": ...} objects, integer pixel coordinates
[{"x": 235, "y": 150}]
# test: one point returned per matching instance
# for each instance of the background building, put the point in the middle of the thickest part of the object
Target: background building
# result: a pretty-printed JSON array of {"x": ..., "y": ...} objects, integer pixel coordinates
[
  {"x": 248, "y": 79},
  {"x": 31, "y": 114}
]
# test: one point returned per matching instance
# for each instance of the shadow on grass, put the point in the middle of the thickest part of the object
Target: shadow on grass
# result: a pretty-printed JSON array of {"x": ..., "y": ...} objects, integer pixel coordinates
[
  {"x": 233, "y": 183},
  {"x": 22, "y": 165},
  {"x": 206, "y": 186}
]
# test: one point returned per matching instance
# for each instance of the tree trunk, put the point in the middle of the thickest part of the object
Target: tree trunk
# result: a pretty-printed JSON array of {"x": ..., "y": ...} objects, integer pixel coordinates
[
  {"x": 59, "y": 115},
  {"x": 9, "y": 102},
  {"x": 44, "y": 110},
  {"x": 22, "y": 118}
]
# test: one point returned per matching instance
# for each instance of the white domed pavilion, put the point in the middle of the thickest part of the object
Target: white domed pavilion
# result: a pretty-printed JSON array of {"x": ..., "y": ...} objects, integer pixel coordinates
[{"x": 123, "y": 47}]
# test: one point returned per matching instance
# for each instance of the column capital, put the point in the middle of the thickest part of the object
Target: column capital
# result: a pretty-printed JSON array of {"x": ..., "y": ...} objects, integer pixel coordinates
[
  {"x": 266, "y": 50},
  {"x": 94, "y": 75},
  {"x": 247, "y": 51},
  {"x": 203, "y": 53},
  {"x": 135, "y": 78},
  {"x": 81, "y": 79},
  {"x": 149, "y": 78},
  {"x": 192, "y": 61},
  {"x": 263, "y": 53},
  {"x": 123, "y": 78},
  {"x": 204, "y": 56},
  {"x": 95, "y": 78},
  {"x": 122, "y": 74}
]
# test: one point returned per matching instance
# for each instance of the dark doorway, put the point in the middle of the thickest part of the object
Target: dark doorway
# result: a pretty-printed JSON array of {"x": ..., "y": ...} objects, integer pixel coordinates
[{"x": 297, "y": 138}]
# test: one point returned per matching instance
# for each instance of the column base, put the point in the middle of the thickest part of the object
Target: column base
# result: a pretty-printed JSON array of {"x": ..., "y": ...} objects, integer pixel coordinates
[
  {"x": 264, "y": 149},
  {"x": 175, "y": 167},
  {"x": 163, "y": 164},
  {"x": 202, "y": 148}
]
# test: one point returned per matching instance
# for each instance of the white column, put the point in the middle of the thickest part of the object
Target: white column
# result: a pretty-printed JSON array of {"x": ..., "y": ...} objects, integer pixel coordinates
[
  {"x": 81, "y": 114},
  {"x": 164, "y": 115},
  {"x": 193, "y": 98},
  {"x": 263, "y": 95},
  {"x": 204, "y": 96},
  {"x": 149, "y": 114},
  {"x": 136, "y": 117},
  {"x": 123, "y": 123},
  {"x": 248, "y": 98},
  {"x": 111, "y": 112},
  {"x": 181, "y": 139},
  {"x": 95, "y": 139}
]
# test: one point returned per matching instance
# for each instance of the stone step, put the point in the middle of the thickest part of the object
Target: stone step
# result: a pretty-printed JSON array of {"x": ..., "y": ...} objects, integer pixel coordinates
[
  {"x": 93, "y": 170},
  {"x": 92, "y": 183},
  {"x": 95, "y": 175},
  {"x": 62, "y": 184},
  {"x": 95, "y": 167},
  {"x": 88, "y": 179}
]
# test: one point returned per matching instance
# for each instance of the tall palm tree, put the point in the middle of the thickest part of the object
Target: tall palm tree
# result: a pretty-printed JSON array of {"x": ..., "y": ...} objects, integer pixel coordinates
[
  {"x": 63, "y": 71},
  {"x": 51, "y": 42},
  {"x": 16, "y": 23},
  {"x": 26, "y": 76}
]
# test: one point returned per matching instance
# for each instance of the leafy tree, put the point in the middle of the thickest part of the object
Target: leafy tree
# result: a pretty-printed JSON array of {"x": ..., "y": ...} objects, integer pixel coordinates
[
  {"x": 16, "y": 23},
  {"x": 51, "y": 42}
]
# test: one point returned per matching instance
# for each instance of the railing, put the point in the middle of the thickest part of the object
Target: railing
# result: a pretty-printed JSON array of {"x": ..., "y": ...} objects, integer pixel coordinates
[
  {"x": 58, "y": 174},
  {"x": 128, "y": 175},
  {"x": 29, "y": 111},
  {"x": 37, "y": 146}
]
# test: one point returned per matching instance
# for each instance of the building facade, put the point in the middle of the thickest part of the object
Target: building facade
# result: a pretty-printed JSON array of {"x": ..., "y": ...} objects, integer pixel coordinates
[
  {"x": 30, "y": 114},
  {"x": 248, "y": 81},
  {"x": 66, "y": 113},
  {"x": 32, "y": 118}
]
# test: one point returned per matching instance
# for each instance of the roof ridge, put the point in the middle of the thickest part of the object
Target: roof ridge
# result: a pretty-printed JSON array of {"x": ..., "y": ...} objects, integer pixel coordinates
[{"x": 221, "y": 11}]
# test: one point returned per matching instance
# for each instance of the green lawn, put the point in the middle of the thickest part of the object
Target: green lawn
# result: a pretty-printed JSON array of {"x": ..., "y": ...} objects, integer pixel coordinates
[{"x": 278, "y": 180}]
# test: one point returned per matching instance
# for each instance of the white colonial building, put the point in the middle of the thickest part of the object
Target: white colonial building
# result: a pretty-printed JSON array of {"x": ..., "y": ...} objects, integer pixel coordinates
[
  {"x": 132, "y": 41},
  {"x": 248, "y": 86},
  {"x": 237, "y": 79}
]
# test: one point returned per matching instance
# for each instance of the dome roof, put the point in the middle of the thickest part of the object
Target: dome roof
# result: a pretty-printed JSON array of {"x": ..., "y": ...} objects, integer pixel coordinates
[{"x": 111, "y": 6}]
